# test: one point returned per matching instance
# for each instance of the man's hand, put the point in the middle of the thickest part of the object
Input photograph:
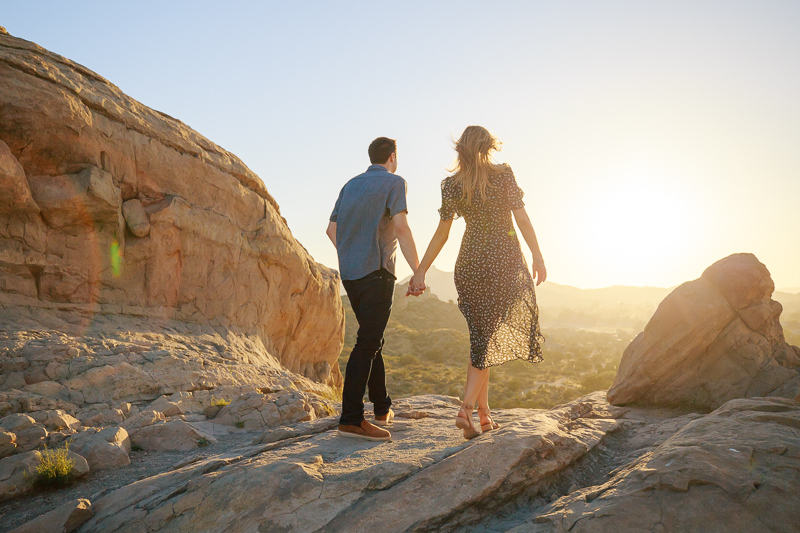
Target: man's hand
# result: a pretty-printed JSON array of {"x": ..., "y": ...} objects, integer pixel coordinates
[{"x": 416, "y": 285}]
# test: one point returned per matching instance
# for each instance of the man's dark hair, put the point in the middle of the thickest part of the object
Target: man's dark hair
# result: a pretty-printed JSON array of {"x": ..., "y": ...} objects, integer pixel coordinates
[{"x": 381, "y": 149}]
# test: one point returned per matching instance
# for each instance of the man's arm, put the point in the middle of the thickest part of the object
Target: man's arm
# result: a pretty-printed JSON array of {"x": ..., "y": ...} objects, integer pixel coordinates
[
  {"x": 331, "y": 232},
  {"x": 407, "y": 246}
]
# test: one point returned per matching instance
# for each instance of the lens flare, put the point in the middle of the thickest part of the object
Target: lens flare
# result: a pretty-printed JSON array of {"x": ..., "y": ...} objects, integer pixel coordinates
[{"x": 116, "y": 259}]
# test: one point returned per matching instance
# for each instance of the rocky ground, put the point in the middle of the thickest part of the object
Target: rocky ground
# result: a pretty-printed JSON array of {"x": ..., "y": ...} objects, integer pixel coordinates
[
  {"x": 579, "y": 467},
  {"x": 143, "y": 464}
]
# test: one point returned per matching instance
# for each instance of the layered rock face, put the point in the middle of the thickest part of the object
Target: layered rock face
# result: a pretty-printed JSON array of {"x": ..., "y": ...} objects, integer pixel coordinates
[
  {"x": 711, "y": 340},
  {"x": 109, "y": 208}
]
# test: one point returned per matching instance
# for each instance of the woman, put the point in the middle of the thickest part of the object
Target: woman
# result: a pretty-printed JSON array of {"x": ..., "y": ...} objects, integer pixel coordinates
[{"x": 495, "y": 287}]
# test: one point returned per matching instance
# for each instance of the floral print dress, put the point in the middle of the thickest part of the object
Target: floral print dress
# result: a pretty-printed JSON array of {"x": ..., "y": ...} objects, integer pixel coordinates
[{"x": 495, "y": 287}]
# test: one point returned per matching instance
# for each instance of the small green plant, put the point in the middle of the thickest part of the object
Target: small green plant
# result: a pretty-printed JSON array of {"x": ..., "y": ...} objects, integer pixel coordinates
[
  {"x": 135, "y": 447},
  {"x": 55, "y": 467},
  {"x": 202, "y": 443},
  {"x": 239, "y": 424},
  {"x": 219, "y": 402}
]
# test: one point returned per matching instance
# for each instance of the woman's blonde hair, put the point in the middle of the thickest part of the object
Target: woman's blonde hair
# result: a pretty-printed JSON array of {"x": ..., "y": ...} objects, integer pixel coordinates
[{"x": 474, "y": 164}]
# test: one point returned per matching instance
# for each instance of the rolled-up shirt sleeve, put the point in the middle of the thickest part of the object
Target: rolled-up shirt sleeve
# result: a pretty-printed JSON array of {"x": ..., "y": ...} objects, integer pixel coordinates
[
  {"x": 335, "y": 213},
  {"x": 396, "y": 200}
]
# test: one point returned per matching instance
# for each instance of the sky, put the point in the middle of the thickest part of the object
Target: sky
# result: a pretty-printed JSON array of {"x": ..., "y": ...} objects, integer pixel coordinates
[{"x": 651, "y": 138}]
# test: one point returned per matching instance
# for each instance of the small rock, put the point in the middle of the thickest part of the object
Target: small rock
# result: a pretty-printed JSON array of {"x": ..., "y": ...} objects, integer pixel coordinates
[
  {"x": 104, "y": 449},
  {"x": 211, "y": 411},
  {"x": 29, "y": 439},
  {"x": 414, "y": 415},
  {"x": 136, "y": 217},
  {"x": 172, "y": 435},
  {"x": 63, "y": 519},
  {"x": 17, "y": 422}
]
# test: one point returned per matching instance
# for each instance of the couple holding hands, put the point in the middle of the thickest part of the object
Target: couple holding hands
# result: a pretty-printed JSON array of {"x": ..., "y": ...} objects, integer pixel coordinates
[{"x": 495, "y": 287}]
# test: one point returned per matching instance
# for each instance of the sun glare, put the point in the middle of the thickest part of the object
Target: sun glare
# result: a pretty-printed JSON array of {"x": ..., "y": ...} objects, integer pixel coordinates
[{"x": 638, "y": 226}]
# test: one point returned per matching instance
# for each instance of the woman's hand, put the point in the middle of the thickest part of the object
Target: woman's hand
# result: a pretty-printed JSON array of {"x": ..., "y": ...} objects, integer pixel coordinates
[
  {"x": 539, "y": 272},
  {"x": 416, "y": 285}
]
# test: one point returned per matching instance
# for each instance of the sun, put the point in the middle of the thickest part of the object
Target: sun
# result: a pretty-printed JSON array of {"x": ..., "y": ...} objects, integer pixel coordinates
[{"x": 636, "y": 226}]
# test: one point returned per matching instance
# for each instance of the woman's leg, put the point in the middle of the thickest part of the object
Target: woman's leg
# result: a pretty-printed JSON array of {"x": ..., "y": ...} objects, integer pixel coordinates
[
  {"x": 484, "y": 414},
  {"x": 483, "y": 393},
  {"x": 475, "y": 379},
  {"x": 475, "y": 382}
]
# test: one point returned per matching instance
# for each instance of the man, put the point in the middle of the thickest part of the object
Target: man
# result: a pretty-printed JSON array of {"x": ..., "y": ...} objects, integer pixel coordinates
[{"x": 368, "y": 221}]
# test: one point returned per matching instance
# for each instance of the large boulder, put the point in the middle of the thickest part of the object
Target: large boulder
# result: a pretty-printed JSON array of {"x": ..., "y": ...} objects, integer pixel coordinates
[
  {"x": 711, "y": 340},
  {"x": 108, "y": 207}
]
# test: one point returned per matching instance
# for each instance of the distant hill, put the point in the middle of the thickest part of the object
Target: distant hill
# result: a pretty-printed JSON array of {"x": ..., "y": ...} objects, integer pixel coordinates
[
  {"x": 620, "y": 306},
  {"x": 442, "y": 285}
]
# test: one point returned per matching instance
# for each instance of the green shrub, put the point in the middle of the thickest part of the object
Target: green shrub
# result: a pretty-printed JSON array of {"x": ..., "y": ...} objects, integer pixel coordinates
[
  {"x": 239, "y": 424},
  {"x": 135, "y": 447},
  {"x": 202, "y": 443},
  {"x": 55, "y": 467}
]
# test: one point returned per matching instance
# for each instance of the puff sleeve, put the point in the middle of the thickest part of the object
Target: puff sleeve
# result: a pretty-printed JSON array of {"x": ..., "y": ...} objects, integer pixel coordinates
[
  {"x": 449, "y": 201},
  {"x": 512, "y": 194}
]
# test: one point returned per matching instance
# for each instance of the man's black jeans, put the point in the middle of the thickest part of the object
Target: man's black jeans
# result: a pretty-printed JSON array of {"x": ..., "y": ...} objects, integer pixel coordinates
[{"x": 371, "y": 299}]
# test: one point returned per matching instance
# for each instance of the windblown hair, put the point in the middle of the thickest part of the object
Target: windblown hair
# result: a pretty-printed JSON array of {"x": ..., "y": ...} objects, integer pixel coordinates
[{"x": 474, "y": 164}]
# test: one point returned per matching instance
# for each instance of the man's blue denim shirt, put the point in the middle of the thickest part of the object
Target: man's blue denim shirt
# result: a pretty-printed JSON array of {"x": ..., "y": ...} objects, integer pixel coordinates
[{"x": 365, "y": 236}]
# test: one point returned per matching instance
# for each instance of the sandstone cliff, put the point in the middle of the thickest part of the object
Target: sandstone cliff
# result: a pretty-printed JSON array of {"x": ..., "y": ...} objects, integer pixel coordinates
[{"x": 111, "y": 211}]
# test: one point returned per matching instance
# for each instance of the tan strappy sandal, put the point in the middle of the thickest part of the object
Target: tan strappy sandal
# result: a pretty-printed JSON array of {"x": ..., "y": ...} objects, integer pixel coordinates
[
  {"x": 483, "y": 414},
  {"x": 465, "y": 422}
]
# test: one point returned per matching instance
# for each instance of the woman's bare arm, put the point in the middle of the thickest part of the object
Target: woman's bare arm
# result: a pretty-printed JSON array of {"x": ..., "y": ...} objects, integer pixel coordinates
[
  {"x": 437, "y": 243},
  {"x": 526, "y": 228}
]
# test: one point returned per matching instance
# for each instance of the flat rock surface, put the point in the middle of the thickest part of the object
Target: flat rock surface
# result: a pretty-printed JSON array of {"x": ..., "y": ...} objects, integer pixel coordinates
[{"x": 735, "y": 470}]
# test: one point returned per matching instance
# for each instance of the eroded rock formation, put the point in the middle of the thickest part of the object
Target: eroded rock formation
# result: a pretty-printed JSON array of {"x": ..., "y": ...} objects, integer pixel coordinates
[
  {"x": 711, "y": 340},
  {"x": 109, "y": 207}
]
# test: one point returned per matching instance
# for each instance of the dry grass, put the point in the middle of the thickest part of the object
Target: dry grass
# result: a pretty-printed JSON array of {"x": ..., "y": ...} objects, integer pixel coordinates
[
  {"x": 219, "y": 402},
  {"x": 329, "y": 393}
]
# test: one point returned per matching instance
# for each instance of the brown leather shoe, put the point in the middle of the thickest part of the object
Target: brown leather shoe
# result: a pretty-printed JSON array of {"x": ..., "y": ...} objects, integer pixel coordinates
[
  {"x": 365, "y": 431},
  {"x": 383, "y": 420}
]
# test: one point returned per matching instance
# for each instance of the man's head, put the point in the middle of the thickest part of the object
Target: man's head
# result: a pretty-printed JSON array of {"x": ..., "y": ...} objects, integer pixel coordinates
[{"x": 383, "y": 151}]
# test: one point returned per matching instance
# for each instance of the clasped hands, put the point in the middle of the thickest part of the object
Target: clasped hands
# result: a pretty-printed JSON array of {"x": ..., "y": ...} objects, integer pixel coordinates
[{"x": 416, "y": 285}]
